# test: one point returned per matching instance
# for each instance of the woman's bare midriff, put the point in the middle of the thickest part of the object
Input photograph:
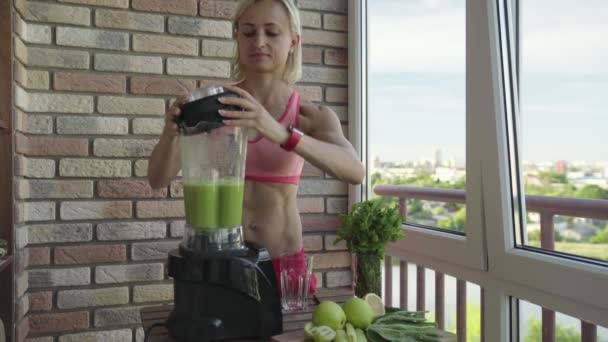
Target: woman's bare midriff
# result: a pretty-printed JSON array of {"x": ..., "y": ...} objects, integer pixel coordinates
[{"x": 271, "y": 218}]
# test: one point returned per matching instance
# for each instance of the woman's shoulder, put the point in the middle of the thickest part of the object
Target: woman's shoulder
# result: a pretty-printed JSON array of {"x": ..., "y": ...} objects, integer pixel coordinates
[
  {"x": 311, "y": 109},
  {"x": 317, "y": 117}
]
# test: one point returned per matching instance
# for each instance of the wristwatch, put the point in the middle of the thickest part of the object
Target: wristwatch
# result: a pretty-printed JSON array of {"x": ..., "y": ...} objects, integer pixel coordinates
[{"x": 294, "y": 138}]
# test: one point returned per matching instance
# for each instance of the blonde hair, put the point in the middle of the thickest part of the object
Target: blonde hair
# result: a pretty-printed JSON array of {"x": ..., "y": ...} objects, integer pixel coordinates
[{"x": 293, "y": 68}]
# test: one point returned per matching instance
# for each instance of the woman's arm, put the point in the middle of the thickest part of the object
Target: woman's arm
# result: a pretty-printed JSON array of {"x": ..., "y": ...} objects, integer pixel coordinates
[
  {"x": 164, "y": 163},
  {"x": 325, "y": 146}
]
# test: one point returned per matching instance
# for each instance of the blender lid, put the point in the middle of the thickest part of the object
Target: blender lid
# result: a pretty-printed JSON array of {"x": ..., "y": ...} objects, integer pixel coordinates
[{"x": 201, "y": 114}]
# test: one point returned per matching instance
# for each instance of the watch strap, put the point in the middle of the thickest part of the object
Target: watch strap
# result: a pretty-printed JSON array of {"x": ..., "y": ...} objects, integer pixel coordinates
[{"x": 294, "y": 138}]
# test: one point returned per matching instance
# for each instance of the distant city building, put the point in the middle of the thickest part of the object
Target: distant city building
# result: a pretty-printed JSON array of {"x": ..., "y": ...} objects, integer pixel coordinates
[
  {"x": 560, "y": 166},
  {"x": 446, "y": 174},
  {"x": 376, "y": 162},
  {"x": 437, "y": 158}
]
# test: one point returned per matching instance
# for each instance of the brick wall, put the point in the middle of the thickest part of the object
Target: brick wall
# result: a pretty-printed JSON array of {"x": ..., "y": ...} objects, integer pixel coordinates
[{"x": 92, "y": 81}]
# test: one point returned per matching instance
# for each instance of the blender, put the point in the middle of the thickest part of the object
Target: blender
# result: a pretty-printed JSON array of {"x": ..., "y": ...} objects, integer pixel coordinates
[{"x": 224, "y": 288}]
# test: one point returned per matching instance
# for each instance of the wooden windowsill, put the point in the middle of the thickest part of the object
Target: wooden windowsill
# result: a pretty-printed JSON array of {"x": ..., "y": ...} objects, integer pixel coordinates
[{"x": 5, "y": 262}]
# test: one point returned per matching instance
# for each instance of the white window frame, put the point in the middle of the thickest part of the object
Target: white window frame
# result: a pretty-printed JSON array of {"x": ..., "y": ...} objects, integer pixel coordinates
[
  {"x": 573, "y": 287},
  {"x": 486, "y": 255},
  {"x": 469, "y": 250}
]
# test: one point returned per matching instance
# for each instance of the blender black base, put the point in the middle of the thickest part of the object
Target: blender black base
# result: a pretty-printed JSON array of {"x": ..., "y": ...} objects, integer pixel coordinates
[{"x": 225, "y": 295}]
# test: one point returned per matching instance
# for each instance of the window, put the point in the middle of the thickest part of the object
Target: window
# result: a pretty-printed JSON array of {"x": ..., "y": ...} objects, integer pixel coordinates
[
  {"x": 416, "y": 100},
  {"x": 563, "y": 84},
  {"x": 525, "y": 62},
  {"x": 417, "y": 104}
]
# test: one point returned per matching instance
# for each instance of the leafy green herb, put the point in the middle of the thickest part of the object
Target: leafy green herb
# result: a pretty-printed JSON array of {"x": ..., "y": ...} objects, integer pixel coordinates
[{"x": 369, "y": 227}]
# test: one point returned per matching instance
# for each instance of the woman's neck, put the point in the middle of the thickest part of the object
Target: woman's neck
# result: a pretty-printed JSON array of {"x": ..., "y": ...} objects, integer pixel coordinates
[{"x": 267, "y": 89}]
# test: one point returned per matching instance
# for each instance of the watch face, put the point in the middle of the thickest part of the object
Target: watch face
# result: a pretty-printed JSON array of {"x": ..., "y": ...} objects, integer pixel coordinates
[{"x": 297, "y": 131}]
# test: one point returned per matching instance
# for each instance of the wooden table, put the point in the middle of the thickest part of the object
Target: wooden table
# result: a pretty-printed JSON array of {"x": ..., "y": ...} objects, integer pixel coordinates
[{"x": 293, "y": 322}]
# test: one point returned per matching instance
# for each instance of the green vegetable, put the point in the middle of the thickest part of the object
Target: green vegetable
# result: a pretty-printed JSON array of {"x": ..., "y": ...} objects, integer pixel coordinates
[
  {"x": 403, "y": 326},
  {"x": 369, "y": 227}
]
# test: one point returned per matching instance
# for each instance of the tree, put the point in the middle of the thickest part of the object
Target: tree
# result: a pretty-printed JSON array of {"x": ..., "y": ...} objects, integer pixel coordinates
[
  {"x": 552, "y": 177},
  {"x": 376, "y": 178},
  {"x": 455, "y": 223},
  {"x": 562, "y": 334},
  {"x": 473, "y": 322},
  {"x": 534, "y": 235},
  {"x": 592, "y": 191},
  {"x": 601, "y": 236}
]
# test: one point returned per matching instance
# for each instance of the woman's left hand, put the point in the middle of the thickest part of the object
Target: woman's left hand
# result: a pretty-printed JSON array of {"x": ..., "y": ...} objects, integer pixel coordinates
[{"x": 253, "y": 116}]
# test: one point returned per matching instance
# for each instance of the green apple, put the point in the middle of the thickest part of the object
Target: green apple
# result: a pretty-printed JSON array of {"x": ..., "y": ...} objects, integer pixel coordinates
[
  {"x": 330, "y": 314},
  {"x": 358, "y": 312}
]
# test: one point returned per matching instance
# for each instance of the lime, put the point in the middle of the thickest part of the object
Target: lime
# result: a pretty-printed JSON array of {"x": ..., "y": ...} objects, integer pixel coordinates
[
  {"x": 324, "y": 334},
  {"x": 360, "y": 335},
  {"x": 351, "y": 334},
  {"x": 358, "y": 312},
  {"x": 341, "y": 336},
  {"x": 330, "y": 314},
  {"x": 376, "y": 303},
  {"x": 310, "y": 330}
]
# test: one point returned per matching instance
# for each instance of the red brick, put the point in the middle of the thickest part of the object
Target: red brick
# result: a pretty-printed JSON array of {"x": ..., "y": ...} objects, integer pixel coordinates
[
  {"x": 90, "y": 254},
  {"x": 59, "y": 322},
  {"x": 324, "y": 38},
  {"x": 150, "y": 209},
  {"x": 128, "y": 189},
  {"x": 21, "y": 308},
  {"x": 185, "y": 7},
  {"x": 22, "y": 260},
  {"x": 80, "y": 81},
  {"x": 332, "y": 260},
  {"x": 177, "y": 189},
  {"x": 320, "y": 223},
  {"x": 311, "y": 204},
  {"x": 311, "y": 55},
  {"x": 218, "y": 9},
  {"x": 336, "y": 57},
  {"x": 39, "y": 256},
  {"x": 51, "y": 146},
  {"x": 310, "y": 93},
  {"x": 161, "y": 86},
  {"x": 311, "y": 171},
  {"x": 41, "y": 301},
  {"x": 22, "y": 329},
  {"x": 204, "y": 82}
]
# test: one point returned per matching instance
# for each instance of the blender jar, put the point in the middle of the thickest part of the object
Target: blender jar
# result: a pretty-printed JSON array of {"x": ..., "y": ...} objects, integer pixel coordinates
[{"x": 213, "y": 168}]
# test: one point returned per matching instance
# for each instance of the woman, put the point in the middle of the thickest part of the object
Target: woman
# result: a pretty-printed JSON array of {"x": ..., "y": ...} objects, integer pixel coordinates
[{"x": 283, "y": 132}]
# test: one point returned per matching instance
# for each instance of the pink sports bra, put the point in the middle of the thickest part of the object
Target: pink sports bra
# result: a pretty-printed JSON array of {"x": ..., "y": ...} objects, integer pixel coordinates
[{"x": 267, "y": 161}]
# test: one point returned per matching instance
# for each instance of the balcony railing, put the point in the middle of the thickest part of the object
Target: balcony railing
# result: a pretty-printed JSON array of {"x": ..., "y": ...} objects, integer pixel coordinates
[{"x": 547, "y": 207}]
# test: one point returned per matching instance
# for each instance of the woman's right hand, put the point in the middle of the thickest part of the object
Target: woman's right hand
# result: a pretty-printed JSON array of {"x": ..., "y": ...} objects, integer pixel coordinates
[{"x": 171, "y": 129}]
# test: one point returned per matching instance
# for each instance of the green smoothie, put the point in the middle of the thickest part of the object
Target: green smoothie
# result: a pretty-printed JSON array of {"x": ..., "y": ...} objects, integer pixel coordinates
[{"x": 212, "y": 206}]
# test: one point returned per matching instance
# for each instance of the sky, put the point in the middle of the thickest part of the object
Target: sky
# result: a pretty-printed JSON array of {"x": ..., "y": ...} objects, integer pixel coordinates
[{"x": 417, "y": 79}]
